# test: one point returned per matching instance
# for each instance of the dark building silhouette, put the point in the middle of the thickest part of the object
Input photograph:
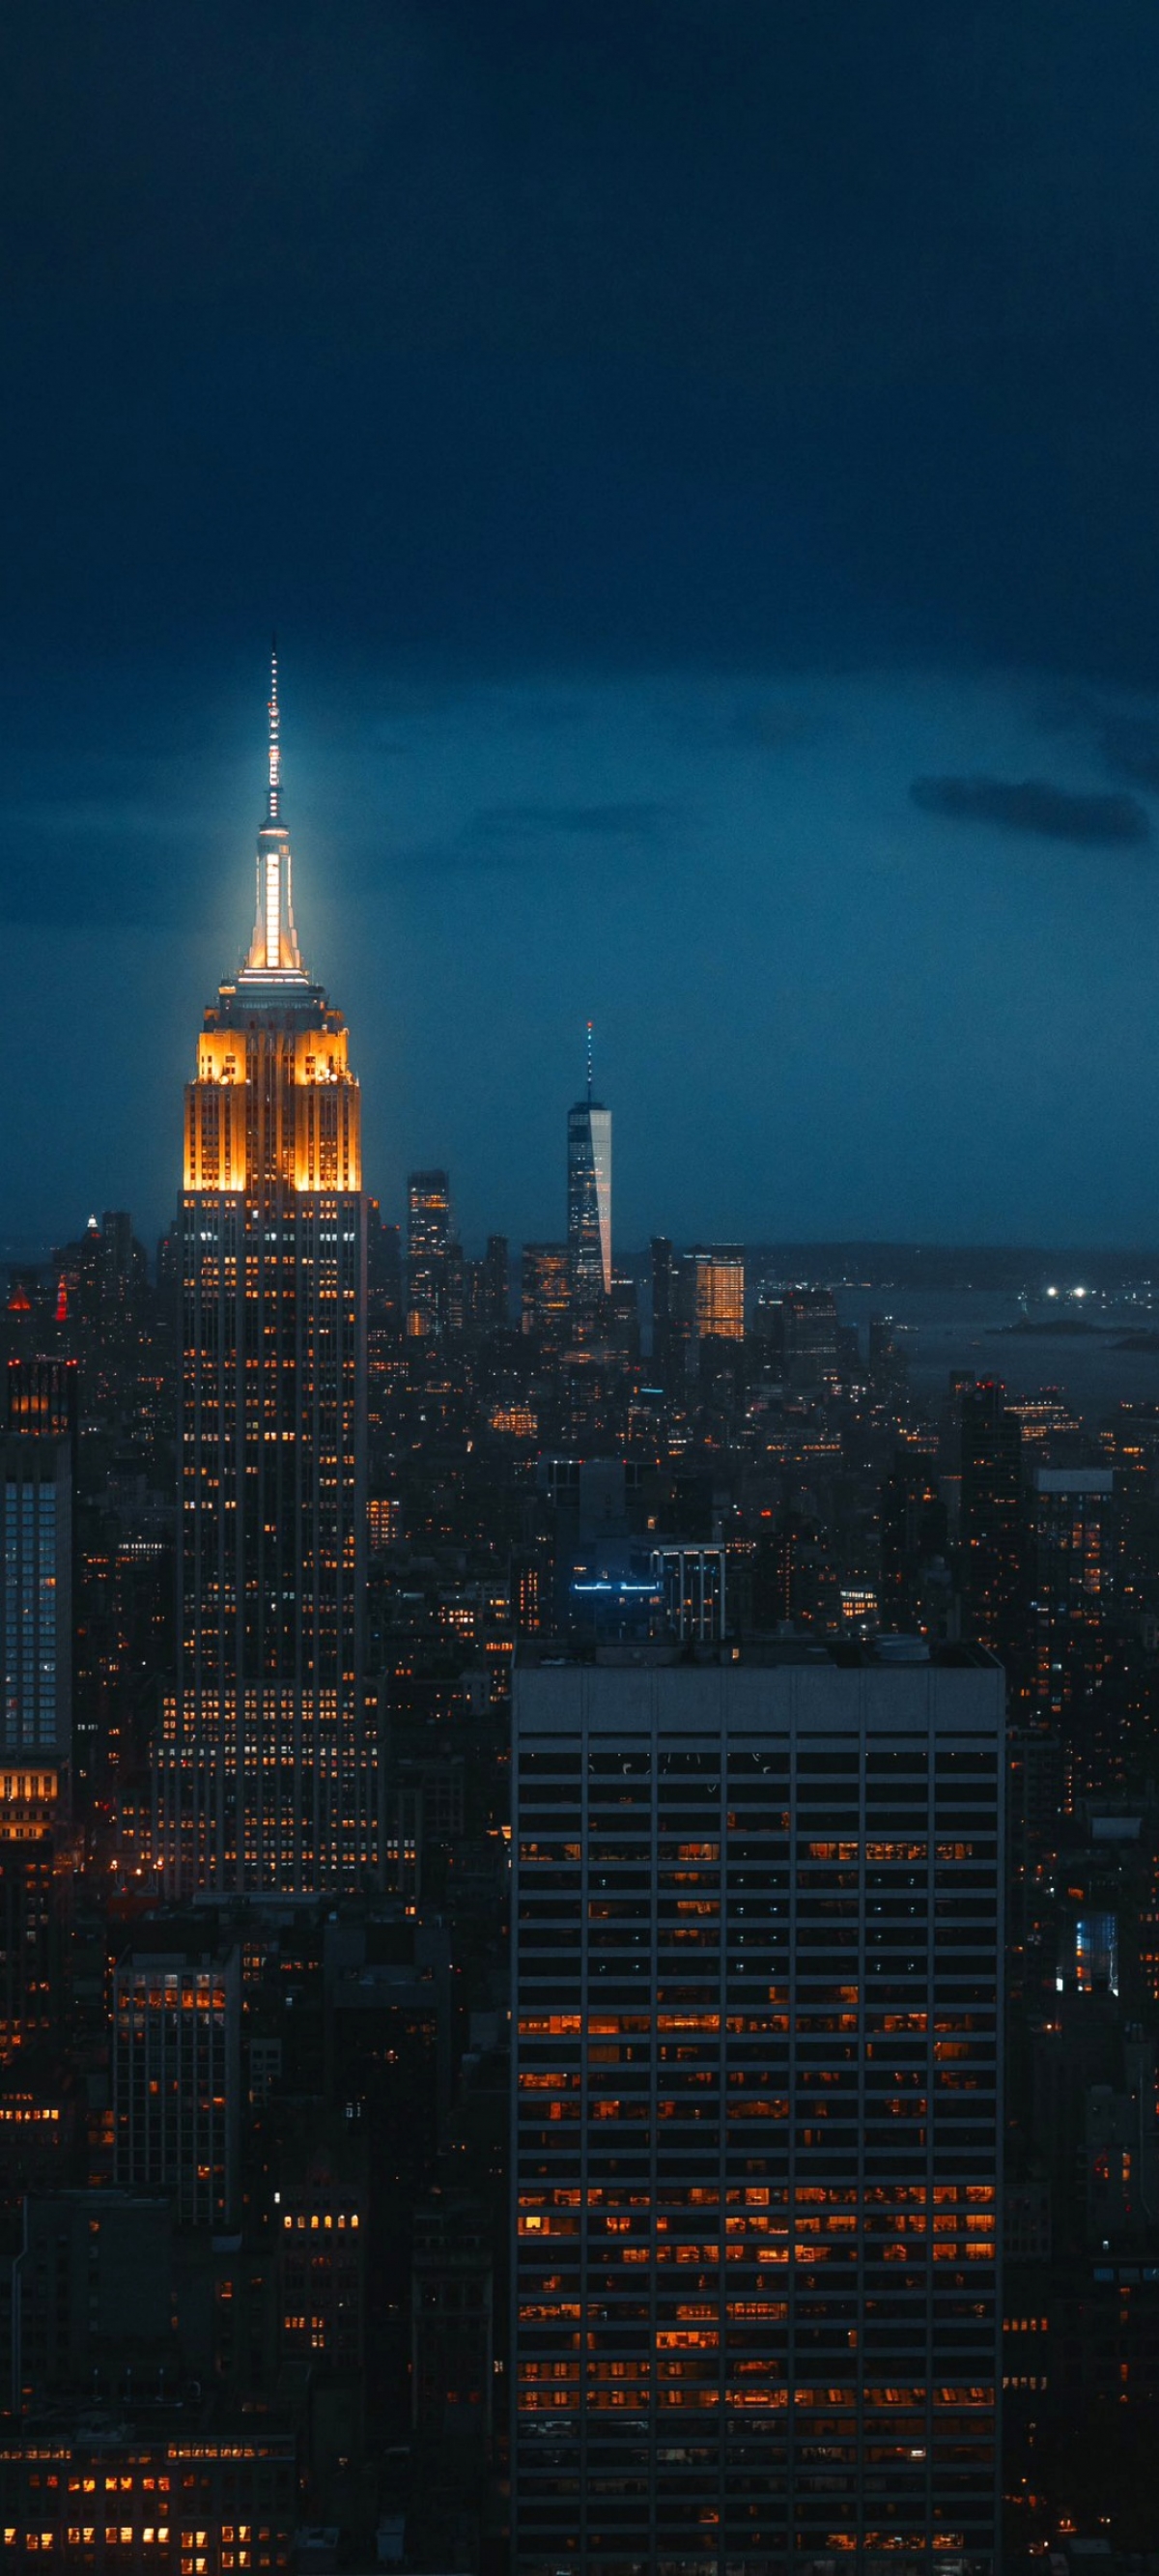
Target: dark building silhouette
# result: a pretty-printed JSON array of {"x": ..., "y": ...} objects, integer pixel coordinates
[
  {"x": 993, "y": 1539},
  {"x": 662, "y": 1303},
  {"x": 914, "y": 1534}
]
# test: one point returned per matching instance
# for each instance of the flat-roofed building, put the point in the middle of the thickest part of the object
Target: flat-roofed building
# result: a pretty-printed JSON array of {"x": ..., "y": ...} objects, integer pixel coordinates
[{"x": 757, "y": 2108}]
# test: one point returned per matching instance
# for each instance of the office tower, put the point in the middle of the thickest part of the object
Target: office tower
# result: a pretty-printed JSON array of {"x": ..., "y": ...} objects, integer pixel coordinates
[
  {"x": 1070, "y": 1579},
  {"x": 383, "y": 1268},
  {"x": 709, "y": 1295},
  {"x": 914, "y": 1537},
  {"x": 177, "y": 2078},
  {"x": 428, "y": 1236},
  {"x": 589, "y": 1201},
  {"x": 547, "y": 1293},
  {"x": 888, "y": 1369},
  {"x": 456, "y": 1292},
  {"x": 493, "y": 1293},
  {"x": 806, "y": 1335},
  {"x": 992, "y": 1526},
  {"x": 757, "y": 2109},
  {"x": 265, "y": 1768},
  {"x": 663, "y": 1317},
  {"x": 37, "y": 1463},
  {"x": 42, "y": 1398},
  {"x": 322, "y": 2255},
  {"x": 30, "y": 1909},
  {"x": 452, "y": 2320}
]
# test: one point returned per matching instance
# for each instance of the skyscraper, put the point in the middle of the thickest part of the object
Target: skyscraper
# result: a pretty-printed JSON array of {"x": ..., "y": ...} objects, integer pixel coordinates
[
  {"x": 266, "y": 1766},
  {"x": 546, "y": 1293},
  {"x": 177, "y": 2076},
  {"x": 589, "y": 1201},
  {"x": 662, "y": 1302},
  {"x": 428, "y": 1243},
  {"x": 36, "y": 1458},
  {"x": 757, "y": 2109},
  {"x": 709, "y": 1296},
  {"x": 993, "y": 1526}
]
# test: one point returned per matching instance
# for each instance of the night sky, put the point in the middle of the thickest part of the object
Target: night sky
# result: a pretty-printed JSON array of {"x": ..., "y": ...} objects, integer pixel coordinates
[{"x": 660, "y": 433}]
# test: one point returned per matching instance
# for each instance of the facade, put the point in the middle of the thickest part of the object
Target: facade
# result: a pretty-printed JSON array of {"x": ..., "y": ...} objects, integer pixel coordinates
[
  {"x": 801, "y": 1326},
  {"x": 710, "y": 1294},
  {"x": 177, "y": 2079},
  {"x": 757, "y": 2110},
  {"x": 546, "y": 1293},
  {"x": 663, "y": 1317},
  {"x": 428, "y": 1245},
  {"x": 993, "y": 1550},
  {"x": 1071, "y": 1576},
  {"x": 620, "y": 1588},
  {"x": 37, "y": 1467},
  {"x": 322, "y": 2265},
  {"x": 589, "y": 1200},
  {"x": 42, "y": 1398},
  {"x": 490, "y": 1293},
  {"x": 265, "y": 1769},
  {"x": 31, "y": 1882},
  {"x": 183, "y": 2492}
]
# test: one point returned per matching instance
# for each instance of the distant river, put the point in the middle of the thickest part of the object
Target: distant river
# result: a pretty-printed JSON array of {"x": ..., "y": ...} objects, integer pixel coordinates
[{"x": 963, "y": 1328}]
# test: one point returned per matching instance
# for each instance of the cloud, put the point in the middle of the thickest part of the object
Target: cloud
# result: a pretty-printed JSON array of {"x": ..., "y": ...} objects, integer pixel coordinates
[
  {"x": 1131, "y": 746},
  {"x": 514, "y": 836},
  {"x": 1035, "y": 805},
  {"x": 634, "y": 819}
]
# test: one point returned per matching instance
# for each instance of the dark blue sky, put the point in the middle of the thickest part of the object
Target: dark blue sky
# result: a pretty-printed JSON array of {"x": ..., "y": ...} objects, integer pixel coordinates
[{"x": 659, "y": 433}]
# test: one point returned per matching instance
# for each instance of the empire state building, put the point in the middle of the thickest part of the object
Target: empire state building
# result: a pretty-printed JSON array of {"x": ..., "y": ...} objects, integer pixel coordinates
[{"x": 265, "y": 1771}]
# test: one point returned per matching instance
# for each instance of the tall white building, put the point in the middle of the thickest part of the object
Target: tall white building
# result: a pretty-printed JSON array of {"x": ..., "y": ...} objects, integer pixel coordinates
[{"x": 757, "y": 2111}]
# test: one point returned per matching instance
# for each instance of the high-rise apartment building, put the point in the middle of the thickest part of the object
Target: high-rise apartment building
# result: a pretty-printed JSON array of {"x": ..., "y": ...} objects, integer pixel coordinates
[
  {"x": 266, "y": 1766},
  {"x": 589, "y": 1200},
  {"x": 428, "y": 1245},
  {"x": 757, "y": 2109},
  {"x": 177, "y": 2078}
]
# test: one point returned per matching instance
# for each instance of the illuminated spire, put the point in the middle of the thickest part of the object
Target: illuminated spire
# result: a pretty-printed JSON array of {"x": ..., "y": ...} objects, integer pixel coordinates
[
  {"x": 589, "y": 1059},
  {"x": 275, "y": 738},
  {"x": 274, "y": 956}
]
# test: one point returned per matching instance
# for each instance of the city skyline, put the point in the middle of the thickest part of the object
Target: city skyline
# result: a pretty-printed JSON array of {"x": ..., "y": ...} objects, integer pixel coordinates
[
  {"x": 647, "y": 504},
  {"x": 955, "y": 1094},
  {"x": 579, "y": 1600}
]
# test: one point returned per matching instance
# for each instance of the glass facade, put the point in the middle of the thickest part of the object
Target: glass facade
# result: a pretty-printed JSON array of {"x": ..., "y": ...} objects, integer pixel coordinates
[
  {"x": 756, "y": 2112},
  {"x": 37, "y": 1619},
  {"x": 428, "y": 1213},
  {"x": 589, "y": 1203}
]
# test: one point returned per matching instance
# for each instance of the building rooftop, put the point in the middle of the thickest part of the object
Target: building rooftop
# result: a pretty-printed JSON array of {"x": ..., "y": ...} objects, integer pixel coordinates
[{"x": 873, "y": 1654}]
